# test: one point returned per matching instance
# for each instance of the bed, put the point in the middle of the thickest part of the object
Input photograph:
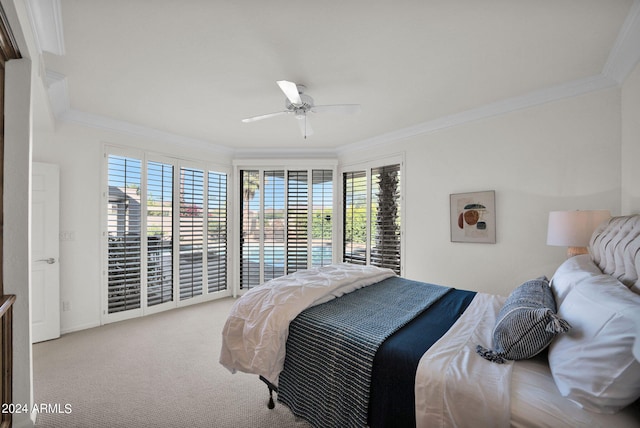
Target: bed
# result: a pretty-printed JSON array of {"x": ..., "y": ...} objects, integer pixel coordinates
[{"x": 348, "y": 345}]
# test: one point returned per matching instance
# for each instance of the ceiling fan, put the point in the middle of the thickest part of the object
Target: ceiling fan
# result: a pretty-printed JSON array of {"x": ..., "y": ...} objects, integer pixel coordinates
[{"x": 299, "y": 104}]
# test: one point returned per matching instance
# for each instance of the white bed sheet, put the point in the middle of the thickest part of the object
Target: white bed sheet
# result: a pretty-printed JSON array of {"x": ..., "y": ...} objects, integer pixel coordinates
[
  {"x": 255, "y": 334},
  {"x": 455, "y": 387},
  {"x": 536, "y": 402}
]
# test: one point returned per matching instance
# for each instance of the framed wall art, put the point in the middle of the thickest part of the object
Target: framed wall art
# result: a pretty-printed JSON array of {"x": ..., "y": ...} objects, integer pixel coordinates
[{"x": 473, "y": 217}]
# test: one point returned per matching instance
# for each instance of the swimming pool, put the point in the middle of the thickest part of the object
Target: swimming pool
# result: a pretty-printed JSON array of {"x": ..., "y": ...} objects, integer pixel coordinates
[{"x": 274, "y": 255}]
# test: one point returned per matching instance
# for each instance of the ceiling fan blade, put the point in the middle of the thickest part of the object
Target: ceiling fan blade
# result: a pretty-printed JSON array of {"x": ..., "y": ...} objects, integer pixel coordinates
[
  {"x": 290, "y": 89},
  {"x": 305, "y": 126},
  {"x": 265, "y": 116},
  {"x": 338, "y": 108}
]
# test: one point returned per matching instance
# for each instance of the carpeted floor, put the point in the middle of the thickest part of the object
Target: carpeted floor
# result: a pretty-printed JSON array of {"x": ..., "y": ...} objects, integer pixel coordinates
[{"x": 157, "y": 371}]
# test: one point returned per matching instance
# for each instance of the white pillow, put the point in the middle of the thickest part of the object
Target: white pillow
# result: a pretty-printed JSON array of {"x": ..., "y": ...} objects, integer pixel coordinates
[
  {"x": 571, "y": 273},
  {"x": 593, "y": 364}
]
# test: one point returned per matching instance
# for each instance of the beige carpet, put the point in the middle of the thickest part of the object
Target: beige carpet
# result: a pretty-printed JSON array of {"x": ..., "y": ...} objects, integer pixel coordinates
[{"x": 156, "y": 371}]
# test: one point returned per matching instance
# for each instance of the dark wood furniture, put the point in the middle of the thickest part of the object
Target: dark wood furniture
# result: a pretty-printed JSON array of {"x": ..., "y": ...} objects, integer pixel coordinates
[
  {"x": 8, "y": 51},
  {"x": 6, "y": 353}
]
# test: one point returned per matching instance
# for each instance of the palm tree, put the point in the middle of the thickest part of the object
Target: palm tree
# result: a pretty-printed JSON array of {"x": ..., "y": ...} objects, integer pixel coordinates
[
  {"x": 387, "y": 234},
  {"x": 250, "y": 185}
]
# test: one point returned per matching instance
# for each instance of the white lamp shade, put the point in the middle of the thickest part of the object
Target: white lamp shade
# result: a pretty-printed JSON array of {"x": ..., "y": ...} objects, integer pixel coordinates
[{"x": 574, "y": 228}]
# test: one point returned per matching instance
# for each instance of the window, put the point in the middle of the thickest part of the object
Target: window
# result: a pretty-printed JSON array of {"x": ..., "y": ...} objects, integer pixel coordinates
[
  {"x": 191, "y": 232},
  {"x": 385, "y": 217},
  {"x": 217, "y": 232},
  {"x": 274, "y": 224},
  {"x": 372, "y": 217},
  {"x": 124, "y": 231},
  {"x": 250, "y": 245},
  {"x": 159, "y": 233},
  {"x": 297, "y": 220},
  {"x": 286, "y": 222},
  {"x": 355, "y": 217},
  {"x": 322, "y": 216},
  {"x": 166, "y": 233}
]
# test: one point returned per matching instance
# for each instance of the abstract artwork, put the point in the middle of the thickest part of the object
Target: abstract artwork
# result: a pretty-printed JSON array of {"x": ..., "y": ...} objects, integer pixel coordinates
[{"x": 473, "y": 217}]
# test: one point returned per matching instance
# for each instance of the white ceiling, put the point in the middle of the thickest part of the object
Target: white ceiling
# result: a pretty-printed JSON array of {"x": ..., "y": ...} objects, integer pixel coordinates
[{"x": 191, "y": 70}]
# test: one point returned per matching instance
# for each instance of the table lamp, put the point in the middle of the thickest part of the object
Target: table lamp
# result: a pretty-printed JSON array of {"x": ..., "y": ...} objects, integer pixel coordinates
[{"x": 573, "y": 229}]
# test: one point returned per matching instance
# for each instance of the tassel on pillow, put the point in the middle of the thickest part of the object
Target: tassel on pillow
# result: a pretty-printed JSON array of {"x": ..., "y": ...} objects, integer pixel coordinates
[
  {"x": 490, "y": 355},
  {"x": 557, "y": 325},
  {"x": 526, "y": 324}
]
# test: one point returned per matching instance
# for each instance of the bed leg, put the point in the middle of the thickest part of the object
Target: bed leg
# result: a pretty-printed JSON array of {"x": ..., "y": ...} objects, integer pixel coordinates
[
  {"x": 271, "y": 403},
  {"x": 272, "y": 388}
]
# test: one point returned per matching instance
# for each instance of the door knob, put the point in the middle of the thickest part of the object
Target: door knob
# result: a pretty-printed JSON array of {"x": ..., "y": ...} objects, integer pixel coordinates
[{"x": 50, "y": 260}]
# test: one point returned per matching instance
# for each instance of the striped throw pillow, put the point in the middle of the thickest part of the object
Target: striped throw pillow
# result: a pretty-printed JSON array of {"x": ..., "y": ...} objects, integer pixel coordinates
[{"x": 526, "y": 324}]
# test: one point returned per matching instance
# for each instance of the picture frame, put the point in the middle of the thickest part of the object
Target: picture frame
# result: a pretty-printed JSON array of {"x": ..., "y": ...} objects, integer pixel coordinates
[{"x": 473, "y": 217}]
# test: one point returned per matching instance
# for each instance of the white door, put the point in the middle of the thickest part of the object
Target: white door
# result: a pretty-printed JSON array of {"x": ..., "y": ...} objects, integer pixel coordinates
[{"x": 45, "y": 270}]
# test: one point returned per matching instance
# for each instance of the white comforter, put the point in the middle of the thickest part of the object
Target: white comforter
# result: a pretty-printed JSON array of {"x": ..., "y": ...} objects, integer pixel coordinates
[
  {"x": 454, "y": 386},
  {"x": 255, "y": 334}
]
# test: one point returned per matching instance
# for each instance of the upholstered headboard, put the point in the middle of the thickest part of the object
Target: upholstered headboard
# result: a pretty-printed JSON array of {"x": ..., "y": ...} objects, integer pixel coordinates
[{"x": 615, "y": 248}]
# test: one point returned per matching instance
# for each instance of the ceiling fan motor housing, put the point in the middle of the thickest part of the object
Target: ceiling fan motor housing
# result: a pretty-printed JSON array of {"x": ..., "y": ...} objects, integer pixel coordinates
[{"x": 307, "y": 103}]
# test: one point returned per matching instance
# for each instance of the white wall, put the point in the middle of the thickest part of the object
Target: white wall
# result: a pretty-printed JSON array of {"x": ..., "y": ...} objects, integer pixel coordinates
[
  {"x": 16, "y": 227},
  {"x": 78, "y": 150},
  {"x": 578, "y": 153},
  {"x": 631, "y": 143},
  {"x": 561, "y": 155},
  {"x": 558, "y": 156},
  {"x": 23, "y": 97}
]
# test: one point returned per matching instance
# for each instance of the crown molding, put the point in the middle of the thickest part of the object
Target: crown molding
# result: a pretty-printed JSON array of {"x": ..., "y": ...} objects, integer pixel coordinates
[
  {"x": 570, "y": 89},
  {"x": 625, "y": 53},
  {"x": 302, "y": 161},
  {"x": 60, "y": 105},
  {"x": 623, "y": 57},
  {"x": 284, "y": 153},
  {"x": 58, "y": 93},
  {"x": 120, "y": 126},
  {"x": 46, "y": 20}
]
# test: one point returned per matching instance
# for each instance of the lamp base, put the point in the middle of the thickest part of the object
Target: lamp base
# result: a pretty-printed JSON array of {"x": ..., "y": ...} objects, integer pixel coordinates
[{"x": 576, "y": 251}]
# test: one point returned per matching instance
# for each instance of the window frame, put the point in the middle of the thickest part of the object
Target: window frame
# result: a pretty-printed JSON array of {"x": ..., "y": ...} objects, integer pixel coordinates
[
  {"x": 262, "y": 165},
  {"x": 145, "y": 157},
  {"x": 367, "y": 166}
]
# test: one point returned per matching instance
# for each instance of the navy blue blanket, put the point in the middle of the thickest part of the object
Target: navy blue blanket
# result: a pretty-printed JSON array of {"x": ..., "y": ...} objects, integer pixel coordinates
[
  {"x": 392, "y": 400},
  {"x": 331, "y": 348}
]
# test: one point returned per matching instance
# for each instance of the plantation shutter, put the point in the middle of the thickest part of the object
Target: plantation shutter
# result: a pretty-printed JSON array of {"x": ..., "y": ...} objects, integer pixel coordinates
[
  {"x": 321, "y": 219},
  {"x": 372, "y": 221},
  {"x": 273, "y": 224},
  {"x": 217, "y": 232},
  {"x": 159, "y": 233},
  {"x": 124, "y": 234},
  {"x": 191, "y": 232},
  {"x": 286, "y": 222},
  {"x": 355, "y": 217},
  {"x": 250, "y": 229},
  {"x": 385, "y": 217},
  {"x": 297, "y": 220},
  {"x": 155, "y": 260}
]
